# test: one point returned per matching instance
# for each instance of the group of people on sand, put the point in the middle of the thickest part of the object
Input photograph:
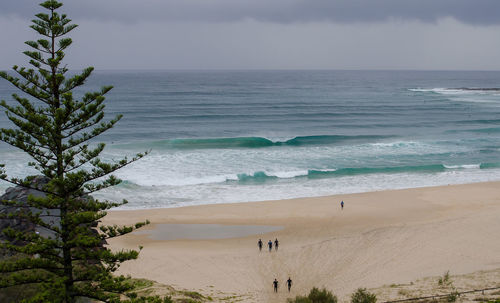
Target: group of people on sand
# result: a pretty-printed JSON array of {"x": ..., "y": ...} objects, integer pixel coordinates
[
  {"x": 260, "y": 244},
  {"x": 269, "y": 244},
  {"x": 288, "y": 284}
]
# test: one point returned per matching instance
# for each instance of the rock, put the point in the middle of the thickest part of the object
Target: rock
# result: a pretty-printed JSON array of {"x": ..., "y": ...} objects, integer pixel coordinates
[{"x": 21, "y": 194}]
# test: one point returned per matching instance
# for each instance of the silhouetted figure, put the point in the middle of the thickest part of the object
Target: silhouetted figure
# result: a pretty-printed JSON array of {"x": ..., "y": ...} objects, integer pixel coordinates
[
  {"x": 276, "y": 243},
  {"x": 270, "y": 245},
  {"x": 289, "y": 283},
  {"x": 275, "y": 285},
  {"x": 260, "y": 244},
  {"x": 342, "y": 204}
]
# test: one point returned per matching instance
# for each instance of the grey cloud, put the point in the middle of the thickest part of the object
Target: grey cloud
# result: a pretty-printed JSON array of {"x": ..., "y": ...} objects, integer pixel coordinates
[
  {"x": 481, "y": 12},
  {"x": 446, "y": 44}
]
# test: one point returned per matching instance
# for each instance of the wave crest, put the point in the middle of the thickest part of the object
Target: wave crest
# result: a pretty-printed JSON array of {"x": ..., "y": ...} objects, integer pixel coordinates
[
  {"x": 264, "y": 176},
  {"x": 252, "y": 142},
  {"x": 459, "y": 90},
  {"x": 261, "y": 176}
]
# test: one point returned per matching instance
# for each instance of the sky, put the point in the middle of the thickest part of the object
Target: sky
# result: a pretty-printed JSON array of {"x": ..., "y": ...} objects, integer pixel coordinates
[{"x": 267, "y": 34}]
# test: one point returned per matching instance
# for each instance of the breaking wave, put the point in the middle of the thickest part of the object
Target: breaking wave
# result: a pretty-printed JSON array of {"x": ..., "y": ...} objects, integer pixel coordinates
[{"x": 252, "y": 142}]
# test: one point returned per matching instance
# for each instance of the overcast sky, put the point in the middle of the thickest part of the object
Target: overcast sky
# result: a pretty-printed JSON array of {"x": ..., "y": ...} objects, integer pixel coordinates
[{"x": 268, "y": 34}]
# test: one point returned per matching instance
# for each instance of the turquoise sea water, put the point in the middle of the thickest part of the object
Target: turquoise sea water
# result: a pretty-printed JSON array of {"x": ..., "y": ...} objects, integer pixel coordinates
[{"x": 235, "y": 136}]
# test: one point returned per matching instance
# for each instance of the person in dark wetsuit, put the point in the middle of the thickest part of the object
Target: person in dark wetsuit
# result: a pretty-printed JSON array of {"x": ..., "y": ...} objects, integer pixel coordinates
[
  {"x": 270, "y": 245},
  {"x": 260, "y": 244},
  {"x": 275, "y": 285},
  {"x": 342, "y": 204},
  {"x": 289, "y": 283},
  {"x": 276, "y": 243}
]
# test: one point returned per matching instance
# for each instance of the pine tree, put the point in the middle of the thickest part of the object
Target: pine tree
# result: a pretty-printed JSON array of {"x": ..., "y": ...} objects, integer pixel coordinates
[{"x": 56, "y": 129}]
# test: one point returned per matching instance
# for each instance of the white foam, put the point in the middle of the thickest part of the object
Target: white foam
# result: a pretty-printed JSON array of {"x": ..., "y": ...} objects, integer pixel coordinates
[
  {"x": 490, "y": 97},
  {"x": 180, "y": 178},
  {"x": 396, "y": 144},
  {"x": 424, "y": 90},
  {"x": 465, "y": 166},
  {"x": 455, "y": 91},
  {"x": 212, "y": 167},
  {"x": 441, "y": 90},
  {"x": 175, "y": 196},
  {"x": 288, "y": 174}
]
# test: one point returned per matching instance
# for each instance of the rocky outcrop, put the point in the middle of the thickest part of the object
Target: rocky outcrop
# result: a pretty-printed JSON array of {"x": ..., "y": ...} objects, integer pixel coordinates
[{"x": 21, "y": 194}]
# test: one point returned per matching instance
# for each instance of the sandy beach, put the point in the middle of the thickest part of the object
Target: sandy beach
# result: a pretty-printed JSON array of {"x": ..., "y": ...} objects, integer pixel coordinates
[{"x": 379, "y": 238}]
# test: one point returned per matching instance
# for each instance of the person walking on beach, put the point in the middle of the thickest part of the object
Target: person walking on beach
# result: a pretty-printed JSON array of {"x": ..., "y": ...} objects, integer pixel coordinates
[
  {"x": 289, "y": 283},
  {"x": 342, "y": 204},
  {"x": 270, "y": 245},
  {"x": 260, "y": 244},
  {"x": 276, "y": 243},
  {"x": 275, "y": 285}
]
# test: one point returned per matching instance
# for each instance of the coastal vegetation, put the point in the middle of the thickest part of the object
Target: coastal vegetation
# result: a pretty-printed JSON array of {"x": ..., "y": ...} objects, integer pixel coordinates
[
  {"x": 316, "y": 295},
  {"x": 445, "y": 279},
  {"x": 363, "y": 296},
  {"x": 61, "y": 255}
]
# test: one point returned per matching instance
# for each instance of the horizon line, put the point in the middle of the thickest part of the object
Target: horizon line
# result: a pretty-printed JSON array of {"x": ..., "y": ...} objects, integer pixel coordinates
[
  {"x": 292, "y": 69},
  {"x": 282, "y": 69}
]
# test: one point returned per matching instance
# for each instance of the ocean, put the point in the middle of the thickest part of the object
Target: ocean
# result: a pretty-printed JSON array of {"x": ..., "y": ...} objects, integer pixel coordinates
[{"x": 238, "y": 136}]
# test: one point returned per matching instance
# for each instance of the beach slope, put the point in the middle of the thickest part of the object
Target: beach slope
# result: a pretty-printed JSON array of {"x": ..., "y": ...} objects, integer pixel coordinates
[{"x": 378, "y": 238}]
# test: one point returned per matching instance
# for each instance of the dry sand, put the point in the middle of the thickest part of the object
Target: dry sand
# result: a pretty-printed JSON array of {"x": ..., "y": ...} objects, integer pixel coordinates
[{"x": 379, "y": 238}]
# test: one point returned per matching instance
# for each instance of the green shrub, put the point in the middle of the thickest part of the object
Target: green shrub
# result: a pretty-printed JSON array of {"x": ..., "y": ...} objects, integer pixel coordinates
[
  {"x": 363, "y": 296},
  {"x": 193, "y": 294},
  {"x": 445, "y": 279},
  {"x": 453, "y": 296},
  {"x": 299, "y": 299},
  {"x": 321, "y": 296},
  {"x": 316, "y": 296}
]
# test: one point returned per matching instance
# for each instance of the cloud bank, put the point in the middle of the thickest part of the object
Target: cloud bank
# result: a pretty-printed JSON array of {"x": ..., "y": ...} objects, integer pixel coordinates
[
  {"x": 479, "y": 12},
  {"x": 268, "y": 34}
]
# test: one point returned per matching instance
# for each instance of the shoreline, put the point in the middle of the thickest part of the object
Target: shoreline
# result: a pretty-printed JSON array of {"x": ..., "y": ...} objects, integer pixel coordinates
[
  {"x": 381, "y": 237},
  {"x": 127, "y": 208}
]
